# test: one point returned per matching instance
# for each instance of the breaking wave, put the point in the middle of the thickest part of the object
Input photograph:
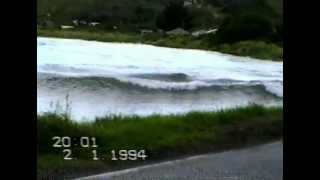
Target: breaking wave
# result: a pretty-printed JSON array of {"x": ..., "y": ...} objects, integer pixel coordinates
[
  {"x": 168, "y": 82},
  {"x": 127, "y": 79}
]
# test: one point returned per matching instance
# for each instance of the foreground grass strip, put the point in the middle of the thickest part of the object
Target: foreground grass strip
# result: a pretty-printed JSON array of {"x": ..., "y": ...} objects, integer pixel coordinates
[{"x": 163, "y": 137}]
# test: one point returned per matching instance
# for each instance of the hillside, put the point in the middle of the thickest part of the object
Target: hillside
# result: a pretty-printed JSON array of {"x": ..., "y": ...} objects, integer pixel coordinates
[
  {"x": 241, "y": 27},
  {"x": 139, "y": 14}
]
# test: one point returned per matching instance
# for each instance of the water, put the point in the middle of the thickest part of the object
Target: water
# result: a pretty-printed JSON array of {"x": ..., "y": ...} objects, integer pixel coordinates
[{"x": 121, "y": 78}]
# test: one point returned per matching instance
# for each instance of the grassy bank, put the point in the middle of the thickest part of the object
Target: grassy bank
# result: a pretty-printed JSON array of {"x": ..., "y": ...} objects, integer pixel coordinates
[
  {"x": 163, "y": 137},
  {"x": 256, "y": 49}
]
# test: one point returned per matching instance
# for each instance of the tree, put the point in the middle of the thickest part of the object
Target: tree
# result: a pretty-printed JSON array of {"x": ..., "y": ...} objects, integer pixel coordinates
[
  {"x": 173, "y": 16},
  {"x": 245, "y": 27}
]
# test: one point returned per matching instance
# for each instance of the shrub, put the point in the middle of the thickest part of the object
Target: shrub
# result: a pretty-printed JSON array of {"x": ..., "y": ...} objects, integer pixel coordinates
[
  {"x": 173, "y": 16},
  {"x": 245, "y": 27},
  {"x": 259, "y": 49}
]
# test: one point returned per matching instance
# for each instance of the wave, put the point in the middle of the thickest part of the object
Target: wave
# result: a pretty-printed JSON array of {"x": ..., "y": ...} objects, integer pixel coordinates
[
  {"x": 106, "y": 78},
  {"x": 160, "y": 82}
]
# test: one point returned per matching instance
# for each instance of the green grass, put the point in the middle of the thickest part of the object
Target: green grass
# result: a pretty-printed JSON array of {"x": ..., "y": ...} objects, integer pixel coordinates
[
  {"x": 90, "y": 35},
  {"x": 259, "y": 49},
  {"x": 162, "y": 136},
  {"x": 256, "y": 49}
]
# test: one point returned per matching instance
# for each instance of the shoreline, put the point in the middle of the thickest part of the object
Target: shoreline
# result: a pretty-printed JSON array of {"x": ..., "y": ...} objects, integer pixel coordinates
[
  {"x": 252, "y": 49},
  {"x": 167, "y": 47}
]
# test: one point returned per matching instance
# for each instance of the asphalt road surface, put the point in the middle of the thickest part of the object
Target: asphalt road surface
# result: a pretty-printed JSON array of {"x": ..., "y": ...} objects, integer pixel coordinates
[{"x": 264, "y": 162}]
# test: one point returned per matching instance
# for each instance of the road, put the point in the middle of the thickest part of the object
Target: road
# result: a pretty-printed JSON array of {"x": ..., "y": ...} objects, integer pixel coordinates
[{"x": 264, "y": 162}]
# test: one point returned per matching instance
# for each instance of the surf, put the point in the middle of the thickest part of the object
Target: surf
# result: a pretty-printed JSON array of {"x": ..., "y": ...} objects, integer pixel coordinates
[{"x": 135, "y": 79}]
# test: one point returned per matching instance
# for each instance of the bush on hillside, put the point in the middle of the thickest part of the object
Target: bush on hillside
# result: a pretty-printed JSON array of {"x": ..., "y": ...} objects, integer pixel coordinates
[
  {"x": 245, "y": 27},
  {"x": 173, "y": 16}
]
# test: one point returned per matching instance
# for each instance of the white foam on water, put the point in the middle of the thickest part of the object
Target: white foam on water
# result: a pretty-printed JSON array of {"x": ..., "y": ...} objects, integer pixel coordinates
[
  {"x": 80, "y": 58},
  {"x": 120, "y": 58}
]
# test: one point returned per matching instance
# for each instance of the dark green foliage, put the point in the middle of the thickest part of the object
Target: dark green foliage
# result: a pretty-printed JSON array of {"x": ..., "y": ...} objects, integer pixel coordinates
[
  {"x": 279, "y": 32},
  {"x": 176, "y": 15},
  {"x": 201, "y": 18},
  {"x": 237, "y": 7},
  {"x": 125, "y": 14},
  {"x": 216, "y": 3},
  {"x": 173, "y": 16},
  {"x": 251, "y": 20},
  {"x": 237, "y": 20},
  {"x": 245, "y": 27}
]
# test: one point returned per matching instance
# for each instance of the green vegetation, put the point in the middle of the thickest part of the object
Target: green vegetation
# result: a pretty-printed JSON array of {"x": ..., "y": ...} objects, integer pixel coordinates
[
  {"x": 162, "y": 136},
  {"x": 176, "y": 15},
  {"x": 246, "y": 28},
  {"x": 258, "y": 49},
  {"x": 90, "y": 35},
  {"x": 127, "y": 15},
  {"x": 131, "y": 15},
  {"x": 251, "y": 20}
]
